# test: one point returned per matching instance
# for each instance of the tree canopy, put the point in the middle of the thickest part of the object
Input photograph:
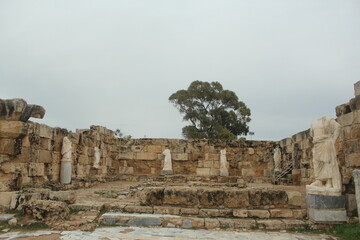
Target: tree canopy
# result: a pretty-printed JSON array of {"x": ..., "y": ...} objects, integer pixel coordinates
[{"x": 214, "y": 113}]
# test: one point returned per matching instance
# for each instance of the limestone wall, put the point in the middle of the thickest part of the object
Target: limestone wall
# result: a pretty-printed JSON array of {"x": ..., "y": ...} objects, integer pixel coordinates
[{"x": 30, "y": 154}]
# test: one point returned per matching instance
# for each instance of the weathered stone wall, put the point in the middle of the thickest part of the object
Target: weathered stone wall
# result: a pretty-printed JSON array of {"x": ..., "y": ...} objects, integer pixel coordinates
[{"x": 30, "y": 154}]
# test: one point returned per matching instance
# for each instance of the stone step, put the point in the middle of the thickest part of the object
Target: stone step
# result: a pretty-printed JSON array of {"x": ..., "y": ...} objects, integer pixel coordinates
[
  {"x": 175, "y": 221},
  {"x": 296, "y": 213}
]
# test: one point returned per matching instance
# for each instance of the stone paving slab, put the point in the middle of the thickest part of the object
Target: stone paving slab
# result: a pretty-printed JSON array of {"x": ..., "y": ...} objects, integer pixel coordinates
[
  {"x": 133, "y": 233},
  {"x": 6, "y": 217}
]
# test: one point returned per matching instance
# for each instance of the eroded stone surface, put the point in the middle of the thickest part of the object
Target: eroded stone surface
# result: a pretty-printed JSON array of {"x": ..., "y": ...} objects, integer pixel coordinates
[{"x": 18, "y": 110}]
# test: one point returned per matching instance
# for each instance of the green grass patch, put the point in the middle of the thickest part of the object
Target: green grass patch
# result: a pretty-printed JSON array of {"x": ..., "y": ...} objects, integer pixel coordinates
[
  {"x": 31, "y": 227},
  {"x": 347, "y": 231},
  {"x": 18, "y": 213}
]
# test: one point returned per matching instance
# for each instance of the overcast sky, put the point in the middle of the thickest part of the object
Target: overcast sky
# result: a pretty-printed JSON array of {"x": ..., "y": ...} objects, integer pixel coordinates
[{"x": 115, "y": 63}]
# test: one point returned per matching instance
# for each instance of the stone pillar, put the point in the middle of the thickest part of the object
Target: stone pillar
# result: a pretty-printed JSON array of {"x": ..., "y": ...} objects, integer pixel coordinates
[
  {"x": 66, "y": 162},
  {"x": 356, "y": 175},
  {"x": 223, "y": 163}
]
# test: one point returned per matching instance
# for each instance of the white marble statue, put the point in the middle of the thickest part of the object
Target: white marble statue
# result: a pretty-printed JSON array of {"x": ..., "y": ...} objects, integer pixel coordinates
[
  {"x": 223, "y": 163},
  {"x": 325, "y": 131},
  {"x": 66, "y": 152},
  {"x": 97, "y": 157},
  {"x": 277, "y": 159},
  {"x": 167, "y": 169}
]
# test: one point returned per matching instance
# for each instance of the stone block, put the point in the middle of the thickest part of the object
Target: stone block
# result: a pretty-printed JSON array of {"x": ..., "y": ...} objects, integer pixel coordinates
[
  {"x": 296, "y": 198},
  {"x": 271, "y": 224},
  {"x": 203, "y": 171},
  {"x": 68, "y": 197},
  {"x": 83, "y": 160},
  {"x": 350, "y": 202},
  {"x": 281, "y": 213},
  {"x": 267, "y": 197},
  {"x": 154, "y": 148},
  {"x": 209, "y": 213},
  {"x": 5, "y": 200},
  {"x": 208, "y": 164},
  {"x": 4, "y": 158},
  {"x": 45, "y": 143},
  {"x": 354, "y": 103},
  {"x": 45, "y": 156},
  {"x": 167, "y": 210},
  {"x": 299, "y": 213},
  {"x": 9, "y": 146},
  {"x": 145, "y": 221},
  {"x": 357, "y": 88},
  {"x": 145, "y": 156},
  {"x": 198, "y": 223},
  {"x": 214, "y": 172},
  {"x": 12, "y": 129},
  {"x": 126, "y": 170},
  {"x": 212, "y": 223},
  {"x": 152, "y": 196},
  {"x": 356, "y": 117},
  {"x": 212, "y": 157},
  {"x": 180, "y": 196},
  {"x": 45, "y": 131},
  {"x": 180, "y": 156},
  {"x": 8, "y": 167},
  {"x": 241, "y": 213},
  {"x": 325, "y": 215},
  {"x": 244, "y": 224},
  {"x": 352, "y": 160},
  {"x": 248, "y": 172},
  {"x": 189, "y": 211},
  {"x": 36, "y": 169},
  {"x": 236, "y": 198},
  {"x": 138, "y": 209},
  {"x": 346, "y": 119},
  {"x": 166, "y": 172},
  {"x": 126, "y": 156},
  {"x": 325, "y": 202},
  {"x": 259, "y": 213},
  {"x": 46, "y": 210},
  {"x": 251, "y": 151},
  {"x": 136, "y": 148}
]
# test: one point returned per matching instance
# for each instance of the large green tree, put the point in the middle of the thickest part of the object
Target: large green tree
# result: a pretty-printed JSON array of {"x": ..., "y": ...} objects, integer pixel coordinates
[{"x": 214, "y": 113}]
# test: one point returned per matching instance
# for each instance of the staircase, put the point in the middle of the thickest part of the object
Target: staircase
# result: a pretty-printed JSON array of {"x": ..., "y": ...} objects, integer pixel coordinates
[{"x": 286, "y": 170}]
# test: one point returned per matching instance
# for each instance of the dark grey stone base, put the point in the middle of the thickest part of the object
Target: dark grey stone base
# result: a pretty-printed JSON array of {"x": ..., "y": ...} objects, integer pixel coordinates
[
  {"x": 325, "y": 208},
  {"x": 325, "y": 202},
  {"x": 166, "y": 172}
]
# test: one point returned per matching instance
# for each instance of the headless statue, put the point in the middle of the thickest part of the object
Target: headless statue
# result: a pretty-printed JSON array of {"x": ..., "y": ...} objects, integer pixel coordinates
[{"x": 325, "y": 131}]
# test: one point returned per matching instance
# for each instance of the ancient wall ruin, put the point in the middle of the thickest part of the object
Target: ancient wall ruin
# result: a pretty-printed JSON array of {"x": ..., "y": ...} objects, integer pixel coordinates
[{"x": 30, "y": 154}]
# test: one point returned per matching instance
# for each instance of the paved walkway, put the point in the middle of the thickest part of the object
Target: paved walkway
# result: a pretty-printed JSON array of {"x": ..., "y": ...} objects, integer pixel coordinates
[{"x": 135, "y": 233}]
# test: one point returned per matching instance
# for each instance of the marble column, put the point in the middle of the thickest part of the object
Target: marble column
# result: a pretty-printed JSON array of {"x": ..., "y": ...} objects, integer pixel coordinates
[{"x": 356, "y": 175}]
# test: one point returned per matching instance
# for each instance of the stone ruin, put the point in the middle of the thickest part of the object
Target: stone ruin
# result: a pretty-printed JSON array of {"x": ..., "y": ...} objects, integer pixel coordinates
[{"x": 208, "y": 183}]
